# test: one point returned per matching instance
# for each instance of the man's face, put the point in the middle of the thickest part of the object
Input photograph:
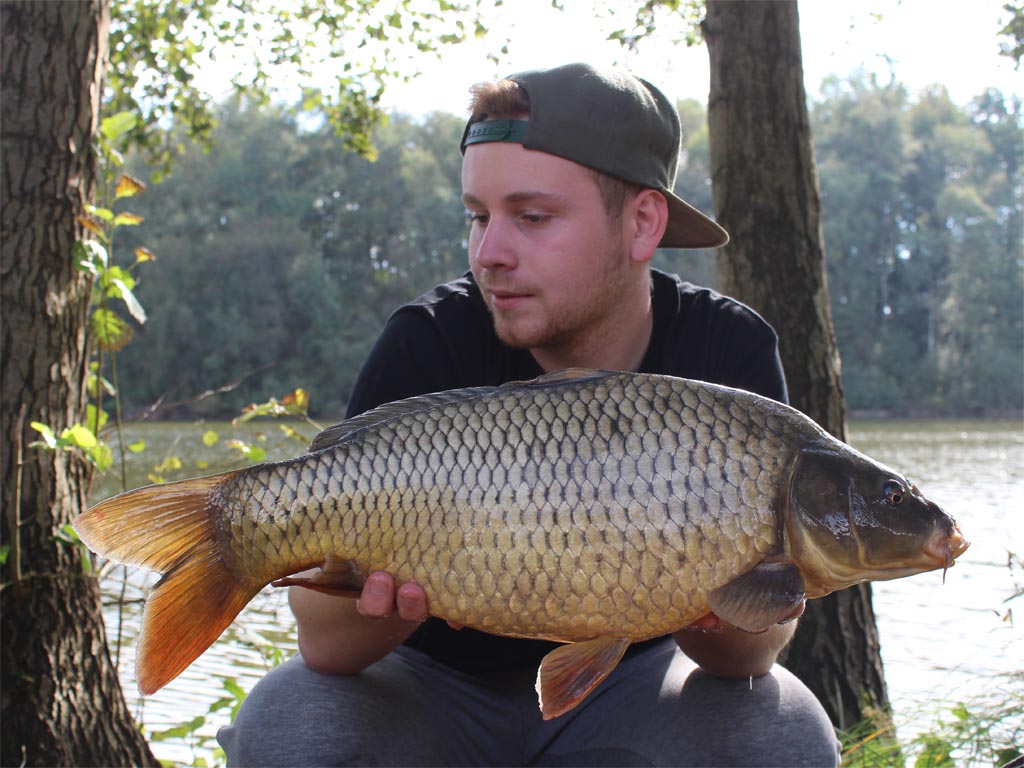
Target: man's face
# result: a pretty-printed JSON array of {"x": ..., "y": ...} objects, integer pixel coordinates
[{"x": 549, "y": 262}]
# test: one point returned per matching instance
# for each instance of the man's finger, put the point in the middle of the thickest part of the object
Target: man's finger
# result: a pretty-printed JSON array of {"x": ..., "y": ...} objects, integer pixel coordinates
[
  {"x": 412, "y": 602},
  {"x": 377, "y": 599}
]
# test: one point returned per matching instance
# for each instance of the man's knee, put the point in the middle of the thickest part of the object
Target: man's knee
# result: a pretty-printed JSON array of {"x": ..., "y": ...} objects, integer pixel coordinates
[
  {"x": 769, "y": 720},
  {"x": 294, "y": 705}
]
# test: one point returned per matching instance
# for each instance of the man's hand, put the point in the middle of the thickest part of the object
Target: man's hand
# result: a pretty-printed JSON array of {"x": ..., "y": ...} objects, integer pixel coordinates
[
  {"x": 379, "y": 599},
  {"x": 342, "y": 636}
]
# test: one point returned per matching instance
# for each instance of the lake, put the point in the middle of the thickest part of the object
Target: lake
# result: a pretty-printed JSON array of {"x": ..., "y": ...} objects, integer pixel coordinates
[{"x": 942, "y": 643}]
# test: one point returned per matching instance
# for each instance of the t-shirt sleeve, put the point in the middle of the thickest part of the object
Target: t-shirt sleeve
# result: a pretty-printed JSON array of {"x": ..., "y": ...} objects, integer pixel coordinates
[
  {"x": 714, "y": 338},
  {"x": 756, "y": 365}
]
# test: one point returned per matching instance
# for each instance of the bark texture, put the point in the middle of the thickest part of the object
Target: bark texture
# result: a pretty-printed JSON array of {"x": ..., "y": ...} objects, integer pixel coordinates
[
  {"x": 60, "y": 697},
  {"x": 767, "y": 196}
]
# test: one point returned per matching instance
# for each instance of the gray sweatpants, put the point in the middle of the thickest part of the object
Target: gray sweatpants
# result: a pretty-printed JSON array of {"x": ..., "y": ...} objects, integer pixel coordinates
[{"x": 656, "y": 708}]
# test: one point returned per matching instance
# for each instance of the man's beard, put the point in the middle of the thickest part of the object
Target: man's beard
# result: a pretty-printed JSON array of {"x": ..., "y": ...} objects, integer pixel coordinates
[{"x": 564, "y": 327}]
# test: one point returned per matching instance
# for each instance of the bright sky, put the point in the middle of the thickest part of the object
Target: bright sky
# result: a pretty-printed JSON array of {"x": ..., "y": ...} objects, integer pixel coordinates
[{"x": 920, "y": 41}]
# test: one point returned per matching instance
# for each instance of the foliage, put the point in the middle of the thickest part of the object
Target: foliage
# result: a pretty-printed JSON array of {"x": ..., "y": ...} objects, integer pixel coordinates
[
  {"x": 923, "y": 225},
  {"x": 981, "y": 732},
  {"x": 283, "y": 254},
  {"x": 1014, "y": 30},
  {"x": 986, "y": 729},
  {"x": 111, "y": 285},
  {"x": 158, "y": 46}
]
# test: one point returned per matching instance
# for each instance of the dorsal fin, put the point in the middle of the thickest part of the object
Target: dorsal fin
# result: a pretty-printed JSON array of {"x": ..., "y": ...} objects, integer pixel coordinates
[
  {"x": 566, "y": 374},
  {"x": 346, "y": 430}
]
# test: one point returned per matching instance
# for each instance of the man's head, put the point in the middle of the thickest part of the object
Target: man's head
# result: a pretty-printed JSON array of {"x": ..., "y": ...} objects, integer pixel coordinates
[
  {"x": 621, "y": 127},
  {"x": 566, "y": 176}
]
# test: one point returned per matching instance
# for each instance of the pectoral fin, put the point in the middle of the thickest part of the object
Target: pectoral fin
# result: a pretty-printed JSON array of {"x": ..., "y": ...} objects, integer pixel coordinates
[
  {"x": 570, "y": 672},
  {"x": 337, "y": 576},
  {"x": 760, "y": 598}
]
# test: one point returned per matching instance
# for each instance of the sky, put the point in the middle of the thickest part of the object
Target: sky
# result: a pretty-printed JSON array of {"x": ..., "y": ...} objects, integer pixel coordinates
[{"x": 919, "y": 42}]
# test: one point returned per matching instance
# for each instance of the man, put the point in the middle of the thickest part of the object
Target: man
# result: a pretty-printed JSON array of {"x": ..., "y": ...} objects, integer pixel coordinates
[{"x": 567, "y": 177}]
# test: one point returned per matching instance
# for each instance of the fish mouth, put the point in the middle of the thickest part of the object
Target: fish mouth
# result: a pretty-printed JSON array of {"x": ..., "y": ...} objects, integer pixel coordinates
[{"x": 944, "y": 547}]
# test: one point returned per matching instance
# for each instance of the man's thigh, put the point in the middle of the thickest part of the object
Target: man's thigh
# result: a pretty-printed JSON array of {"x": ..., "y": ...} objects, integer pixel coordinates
[
  {"x": 404, "y": 710},
  {"x": 658, "y": 708}
]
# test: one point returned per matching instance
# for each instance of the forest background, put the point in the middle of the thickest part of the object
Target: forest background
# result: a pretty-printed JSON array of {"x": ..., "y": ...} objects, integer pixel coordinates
[{"x": 280, "y": 253}]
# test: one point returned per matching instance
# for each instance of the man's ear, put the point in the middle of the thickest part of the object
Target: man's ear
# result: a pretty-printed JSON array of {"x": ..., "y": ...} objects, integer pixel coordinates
[{"x": 648, "y": 217}]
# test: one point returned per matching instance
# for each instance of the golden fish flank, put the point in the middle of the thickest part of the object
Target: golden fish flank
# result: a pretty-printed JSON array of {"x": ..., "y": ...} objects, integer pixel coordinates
[
  {"x": 539, "y": 494},
  {"x": 590, "y": 507}
]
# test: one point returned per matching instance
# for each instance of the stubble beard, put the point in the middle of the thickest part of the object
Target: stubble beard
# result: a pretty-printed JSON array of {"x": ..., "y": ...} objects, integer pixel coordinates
[{"x": 570, "y": 325}]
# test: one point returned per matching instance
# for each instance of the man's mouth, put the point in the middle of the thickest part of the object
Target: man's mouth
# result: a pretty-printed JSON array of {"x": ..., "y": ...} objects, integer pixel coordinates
[{"x": 504, "y": 299}]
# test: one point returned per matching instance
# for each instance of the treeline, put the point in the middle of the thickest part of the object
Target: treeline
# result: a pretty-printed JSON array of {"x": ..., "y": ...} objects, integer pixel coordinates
[{"x": 279, "y": 255}]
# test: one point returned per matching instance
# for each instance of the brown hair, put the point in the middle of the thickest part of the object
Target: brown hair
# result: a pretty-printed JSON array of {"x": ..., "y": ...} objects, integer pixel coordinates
[{"x": 507, "y": 100}]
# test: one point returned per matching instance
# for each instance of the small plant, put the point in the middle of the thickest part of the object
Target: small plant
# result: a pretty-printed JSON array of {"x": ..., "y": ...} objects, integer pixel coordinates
[{"x": 112, "y": 289}]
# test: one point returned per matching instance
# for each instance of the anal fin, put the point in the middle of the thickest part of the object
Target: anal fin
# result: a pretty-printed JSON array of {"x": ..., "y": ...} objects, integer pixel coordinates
[
  {"x": 337, "y": 576},
  {"x": 759, "y": 598},
  {"x": 570, "y": 672}
]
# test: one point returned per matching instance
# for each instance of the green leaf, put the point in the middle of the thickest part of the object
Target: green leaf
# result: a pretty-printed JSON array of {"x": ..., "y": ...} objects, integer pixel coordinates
[
  {"x": 169, "y": 464},
  {"x": 179, "y": 731},
  {"x": 109, "y": 330},
  {"x": 49, "y": 438},
  {"x": 5, "y": 550},
  {"x": 68, "y": 533},
  {"x": 250, "y": 452},
  {"x": 127, "y": 220},
  {"x": 210, "y": 438},
  {"x": 128, "y": 186},
  {"x": 100, "y": 213},
  {"x": 231, "y": 686},
  {"x": 90, "y": 418},
  {"x": 118, "y": 125},
  {"x": 142, "y": 255},
  {"x": 80, "y": 437},
  {"x": 116, "y": 279},
  {"x": 104, "y": 385},
  {"x": 89, "y": 255},
  {"x": 137, "y": 447},
  {"x": 134, "y": 307},
  {"x": 222, "y": 703}
]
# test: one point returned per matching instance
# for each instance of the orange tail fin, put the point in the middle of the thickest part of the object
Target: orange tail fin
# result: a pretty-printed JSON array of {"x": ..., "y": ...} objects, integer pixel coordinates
[{"x": 169, "y": 528}]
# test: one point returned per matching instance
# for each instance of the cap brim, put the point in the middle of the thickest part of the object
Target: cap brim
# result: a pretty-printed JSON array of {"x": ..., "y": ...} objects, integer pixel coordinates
[{"x": 689, "y": 228}]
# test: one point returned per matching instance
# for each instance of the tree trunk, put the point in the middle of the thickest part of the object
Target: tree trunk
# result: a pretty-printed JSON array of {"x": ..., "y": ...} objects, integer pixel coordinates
[
  {"x": 766, "y": 195},
  {"x": 61, "y": 700}
]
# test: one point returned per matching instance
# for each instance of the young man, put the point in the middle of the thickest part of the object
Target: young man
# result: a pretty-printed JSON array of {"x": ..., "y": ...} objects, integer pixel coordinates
[{"x": 567, "y": 177}]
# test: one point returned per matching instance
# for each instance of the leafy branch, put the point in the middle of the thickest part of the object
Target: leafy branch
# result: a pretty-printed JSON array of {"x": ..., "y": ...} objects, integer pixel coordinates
[{"x": 112, "y": 289}]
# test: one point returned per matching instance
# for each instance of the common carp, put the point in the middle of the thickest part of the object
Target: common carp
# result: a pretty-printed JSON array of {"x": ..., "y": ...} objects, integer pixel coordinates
[{"x": 593, "y": 508}]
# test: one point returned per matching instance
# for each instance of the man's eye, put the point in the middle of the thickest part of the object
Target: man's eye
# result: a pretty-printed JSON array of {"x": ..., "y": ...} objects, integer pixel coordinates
[{"x": 476, "y": 218}]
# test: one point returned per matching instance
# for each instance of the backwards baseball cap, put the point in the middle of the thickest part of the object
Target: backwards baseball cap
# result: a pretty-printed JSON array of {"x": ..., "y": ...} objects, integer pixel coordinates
[{"x": 612, "y": 122}]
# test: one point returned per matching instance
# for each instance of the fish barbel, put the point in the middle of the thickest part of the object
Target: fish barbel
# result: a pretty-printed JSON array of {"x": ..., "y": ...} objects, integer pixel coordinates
[{"x": 593, "y": 508}]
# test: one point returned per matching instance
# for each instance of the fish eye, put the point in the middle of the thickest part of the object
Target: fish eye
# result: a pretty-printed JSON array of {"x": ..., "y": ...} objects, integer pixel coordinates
[{"x": 895, "y": 493}]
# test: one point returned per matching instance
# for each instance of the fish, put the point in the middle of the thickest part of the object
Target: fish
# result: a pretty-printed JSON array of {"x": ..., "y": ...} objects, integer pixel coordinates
[{"x": 592, "y": 508}]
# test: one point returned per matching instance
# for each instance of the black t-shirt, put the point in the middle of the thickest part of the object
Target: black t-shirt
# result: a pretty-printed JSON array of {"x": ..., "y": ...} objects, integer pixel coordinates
[{"x": 445, "y": 340}]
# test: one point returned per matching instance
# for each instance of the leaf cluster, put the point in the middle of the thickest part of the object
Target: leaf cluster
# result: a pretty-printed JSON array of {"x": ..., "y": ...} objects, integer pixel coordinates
[{"x": 354, "y": 47}]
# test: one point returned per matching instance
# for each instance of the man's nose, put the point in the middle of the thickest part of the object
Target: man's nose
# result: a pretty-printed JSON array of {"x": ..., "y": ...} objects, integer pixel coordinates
[{"x": 494, "y": 245}]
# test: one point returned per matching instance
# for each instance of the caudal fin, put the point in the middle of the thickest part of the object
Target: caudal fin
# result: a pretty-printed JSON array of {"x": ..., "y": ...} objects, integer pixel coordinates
[{"x": 169, "y": 528}]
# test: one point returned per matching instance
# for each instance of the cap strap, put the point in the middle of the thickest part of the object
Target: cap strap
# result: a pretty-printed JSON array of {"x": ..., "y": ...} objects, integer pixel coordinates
[{"x": 496, "y": 130}]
